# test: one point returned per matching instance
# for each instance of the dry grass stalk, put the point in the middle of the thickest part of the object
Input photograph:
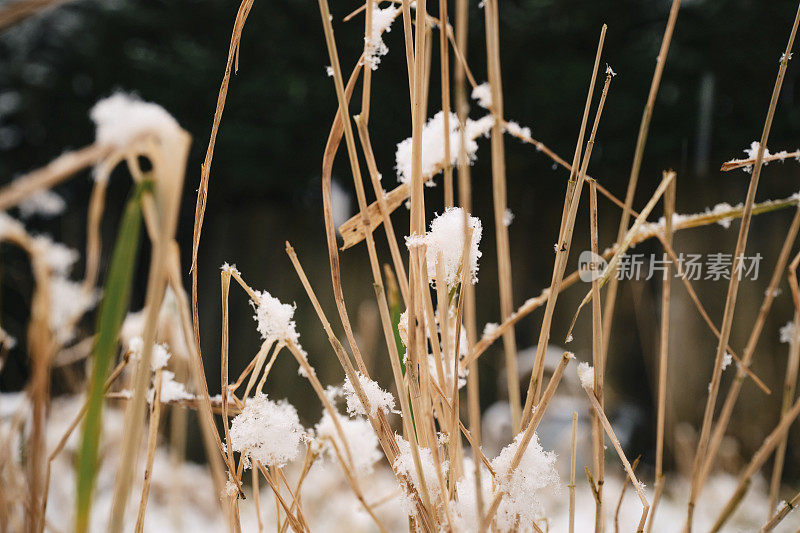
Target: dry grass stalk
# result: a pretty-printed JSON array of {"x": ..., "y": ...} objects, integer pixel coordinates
[
  {"x": 622, "y": 495},
  {"x": 750, "y": 161},
  {"x": 444, "y": 63},
  {"x": 205, "y": 171},
  {"x": 391, "y": 238},
  {"x": 379, "y": 424},
  {"x": 663, "y": 358},
  {"x": 499, "y": 194},
  {"x": 559, "y": 265},
  {"x": 704, "y": 314},
  {"x": 613, "y": 438},
  {"x": 459, "y": 41},
  {"x": 211, "y": 440},
  {"x": 572, "y": 472},
  {"x": 756, "y": 462},
  {"x": 530, "y": 429},
  {"x": 51, "y": 175},
  {"x": 225, "y": 282},
  {"x": 169, "y": 172},
  {"x": 152, "y": 440},
  {"x": 626, "y": 243},
  {"x": 638, "y": 156},
  {"x": 787, "y": 508},
  {"x": 789, "y": 389},
  {"x": 645, "y": 233},
  {"x": 599, "y": 365},
  {"x": 733, "y": 286}
]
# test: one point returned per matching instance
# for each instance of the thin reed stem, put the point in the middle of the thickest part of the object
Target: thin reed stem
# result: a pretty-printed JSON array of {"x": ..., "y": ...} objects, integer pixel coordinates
[
  {"x": 152, "y": 440},
  {"x": 560, "y": 262},
  {"x": 733, "y": 286},
  {"x": 572, "y": 472},
  {"x": 636, "y": 166},
  {"x": 599, "y": 365},
  {"x": 789, "y": 389}
]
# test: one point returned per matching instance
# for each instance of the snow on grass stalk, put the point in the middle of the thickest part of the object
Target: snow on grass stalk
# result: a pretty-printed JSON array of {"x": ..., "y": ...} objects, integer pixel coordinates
[
  {"x": 58, "y": 257},
  {"x": 160, "y": 356},
  {"x": 266, "y": 431},
  {"x": 483, "y": 95},
  {"x": 526, "y": 485},
  {"x": 446, "y": 237},
  {"x": 374, "y": 47},
  {"x": 787, "y": 332},
  {"x": 361, "y": 441},
  {"x": 464, "y": 509},
  {"x": 275, "y": 318},
  {"x": 404, "y": 466},
  {"x": 513, "y": 128},
  {"x": 433, "y": 145},
  {"x": 122, "y": 118},
  {"x": 171, "y": 389},
  {"x": 377, "y": 397},
  {"x": 586, "y": 375},
  {"x": 44, "y": 203}
]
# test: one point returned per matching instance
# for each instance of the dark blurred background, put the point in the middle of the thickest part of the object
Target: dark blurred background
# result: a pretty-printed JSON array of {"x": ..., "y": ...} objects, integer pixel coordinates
[{"x": 265, "y": 179}]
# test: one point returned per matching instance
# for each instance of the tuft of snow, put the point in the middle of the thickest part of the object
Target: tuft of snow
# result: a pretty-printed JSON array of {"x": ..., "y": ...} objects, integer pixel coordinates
[
  {"x": 610, "y": 71},
  {"x": 722, "y": 208},
  {"x": 415, "y": 241},
  {"x": 433, "y": 145},
  {"x": 586, "y": 375},
  {"x": 787, "y": 332},
  {"x": 727, "y": 359},
  {"x": 68, "y": 303},
  {"x": 361, "y": 441},
  {"x": 402, "y": 327},
  {"x": 230, "y": 269},
  {"x": 59, "y": 257},
  {"x": 479, "y": 128},
  {"x": 10, "y": 227},
  {"x": 489, "y": 329},
  {"x": 230, "y": 489},
  {"x": 516, "y": 130},
  {"x": 266, "y": 431},
  {"x": 527, "y": 485},
  {"x": 376, "y": 396},
  {"x": 374, "y": 47},
  {"x": 275, "y": 319},
  {"x": 171, "y": 390},
  {"x": 159, "y": 358},
  {"x": 404, "y": 466},
  {"x": 508, "y": 217},
  {"x": 329, "y": 71},
  {"x": 7, "y": 341},
  {"x": 44, "y": 203},
  {"x": 121, "y": 118},
  {"x": 483, "y": 95},
  {"x": 446, "y": 236},
  {"x": 752, "y": 153},
  {"x": 465, "y": 510}
]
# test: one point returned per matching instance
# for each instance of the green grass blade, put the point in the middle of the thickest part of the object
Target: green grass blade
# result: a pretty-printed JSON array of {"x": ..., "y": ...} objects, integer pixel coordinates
[{"x": 113, "y": 307}]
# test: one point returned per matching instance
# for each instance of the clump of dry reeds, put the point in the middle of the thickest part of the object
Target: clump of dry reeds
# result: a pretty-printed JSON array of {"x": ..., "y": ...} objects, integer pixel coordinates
[{"x": 406, "y": 455}]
